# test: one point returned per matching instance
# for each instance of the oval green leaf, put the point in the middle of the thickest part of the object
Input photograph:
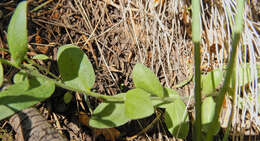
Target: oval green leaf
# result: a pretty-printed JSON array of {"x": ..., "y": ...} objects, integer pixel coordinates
[
  {"x": 145, "y": 79},
  {"x": 176, "y": 117},
  {"x": 17, "y": 98},
  {"x": 207, "y": 114},
  {"x": 109, "y": 115},
  {"x": 17, "y": 33},
  {"x": 211, "y": 81},
  {"x": 138, "y": 104},
  {"x": 41, "y": 57},
  {"x": 75, "y": 67}
]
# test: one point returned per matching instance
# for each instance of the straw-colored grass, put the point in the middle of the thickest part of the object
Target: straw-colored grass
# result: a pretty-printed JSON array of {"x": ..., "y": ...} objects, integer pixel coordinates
[{"x": 162, "y": 40}]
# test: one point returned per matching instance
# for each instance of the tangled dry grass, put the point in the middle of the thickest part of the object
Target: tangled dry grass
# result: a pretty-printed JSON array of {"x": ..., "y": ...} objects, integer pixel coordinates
[{"x": 116, "y": 34}]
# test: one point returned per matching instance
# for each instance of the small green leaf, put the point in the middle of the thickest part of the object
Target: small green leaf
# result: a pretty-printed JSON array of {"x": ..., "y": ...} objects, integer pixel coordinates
[
  {"x": 1, "y": 74},
  {"x": 211, "y": 81},
  {"x": 41, "y": 57},
  {"x": 145, "y": 79},
  {"x": 17, "y": 98},
  {"x": 109, "y": 115},
  {"x": 176, "y": 117},
  {"x": 138, "y": 104},
  {"x": 67, "y": 97},
  {"x": 208, "y": 110},
  {"x": 17, "y": 33},
  {"x": 207, "y": 114},
  {"x": 75, "y": 68}
]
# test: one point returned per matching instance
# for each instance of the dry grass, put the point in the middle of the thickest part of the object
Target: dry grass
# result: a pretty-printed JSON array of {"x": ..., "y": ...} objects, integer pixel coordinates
[
  {"x": 162, "y": 40},
  {"x": 116, "y": 34}
]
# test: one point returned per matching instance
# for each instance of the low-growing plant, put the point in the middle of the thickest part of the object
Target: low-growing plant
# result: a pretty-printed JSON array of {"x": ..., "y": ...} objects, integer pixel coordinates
[{"x": 77, "y": 74}]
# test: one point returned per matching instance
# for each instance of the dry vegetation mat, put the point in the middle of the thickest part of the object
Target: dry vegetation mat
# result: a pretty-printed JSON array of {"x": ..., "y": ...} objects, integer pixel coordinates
[{"x": 129, "y": 56}]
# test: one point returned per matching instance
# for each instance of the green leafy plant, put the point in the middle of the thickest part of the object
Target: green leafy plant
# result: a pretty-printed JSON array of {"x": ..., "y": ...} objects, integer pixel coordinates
[
  {"x": 17, "y": 33},
  {"x": 176, "y": 116},
  {"x": 77, "y": 74}
]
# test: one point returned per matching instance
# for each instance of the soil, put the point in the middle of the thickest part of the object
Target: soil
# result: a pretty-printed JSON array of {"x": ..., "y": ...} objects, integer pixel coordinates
[{"x": 109, "y": 41}]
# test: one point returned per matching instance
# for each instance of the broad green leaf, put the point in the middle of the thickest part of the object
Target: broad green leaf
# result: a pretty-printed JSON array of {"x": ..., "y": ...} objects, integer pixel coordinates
[
  {"x": 75, "y": 68},
  {"x": 145, "y": 79},
  {"x": 17, "y": 33},
  {"x": 211, "y": 81},
  {"x": 41, "y": 57},
  {"x": 17, "y": 98},
  {"x": 1, "y": 74},
  {"x": 109, "y": 115},
  {"x": 138, "y": 104},
  {"x": 176, "y": 117},
  {"x": 207, "y": 113},
  {"x": 208, "y": 110},
  {"x": 67, "y": 97}
]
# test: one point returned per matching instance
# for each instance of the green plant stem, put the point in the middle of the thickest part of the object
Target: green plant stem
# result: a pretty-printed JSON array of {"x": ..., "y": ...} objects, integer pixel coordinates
[
  {"x": 234, "y": 87},
  {"x": 97, "y": 95},
  {"x": 62, "y": 85},
  {"x": 41, "y": 68},
  {"x": 224, "y": 88},
  {"x": 232, "y": 62},
  {"x": 197, "y": 90},
  {"x": 40, "y": 6},
  {"x": 9, "y": 63},
  {"x": 229, "y": 125},
  {"x": 87, "y": 92}
]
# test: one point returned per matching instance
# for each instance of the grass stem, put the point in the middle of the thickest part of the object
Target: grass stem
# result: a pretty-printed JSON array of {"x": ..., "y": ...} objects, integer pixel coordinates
[
  {"x": 196, "y": 41},
  {"x": 238, "y": 27}
]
